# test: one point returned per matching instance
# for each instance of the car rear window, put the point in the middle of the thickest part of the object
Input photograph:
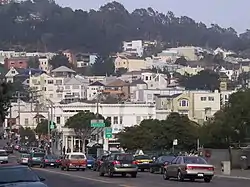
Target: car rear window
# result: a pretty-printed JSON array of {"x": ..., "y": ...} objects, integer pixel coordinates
[
  {"x": 194, "y": 160},
  {"x": 124, "y": 157},
  {"x": 167, "y": 158},
  {"x": 3, "y": 153},
  {"x": 77, "y": 156},
  {"x": 142, "y": 157},
  {"x": 38, "y": 155},
  {"x": 25, "y": 156},
  {"x": 52, "y": 156}
]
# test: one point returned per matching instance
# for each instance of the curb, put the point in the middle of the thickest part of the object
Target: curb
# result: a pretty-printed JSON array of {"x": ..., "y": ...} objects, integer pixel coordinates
[{"x": 232, "y": 177}]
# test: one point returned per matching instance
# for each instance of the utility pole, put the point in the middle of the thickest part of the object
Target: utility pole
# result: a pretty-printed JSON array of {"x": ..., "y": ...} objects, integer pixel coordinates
[{"x": 19, "y": 111}]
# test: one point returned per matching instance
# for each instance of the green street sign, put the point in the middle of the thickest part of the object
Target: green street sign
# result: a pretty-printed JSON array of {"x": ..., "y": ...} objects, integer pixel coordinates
[
  {"x": 95, "y": 123},
  {"x": 52, "y": 125},
  {"x": 108, "y": 132}
]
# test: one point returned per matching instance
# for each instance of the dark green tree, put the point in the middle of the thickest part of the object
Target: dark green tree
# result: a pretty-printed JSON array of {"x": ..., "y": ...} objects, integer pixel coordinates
[
  {"x": 42, "y": 127},
  {"x": 33, "y": 62},
  {"x": 27, "y": 135},
  {"x": 5, "y": 97},
  {"x": 59, "y": 60},
  {"x": 104, "y": 65}
]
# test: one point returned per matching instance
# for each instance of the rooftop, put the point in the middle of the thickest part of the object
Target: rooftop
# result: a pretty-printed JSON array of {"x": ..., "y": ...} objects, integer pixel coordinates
[{"x": 62, "y": 69}]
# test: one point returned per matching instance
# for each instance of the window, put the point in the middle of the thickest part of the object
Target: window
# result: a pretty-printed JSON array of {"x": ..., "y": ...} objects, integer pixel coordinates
[
  {"x": 138, "y": 119},
  {"x": 149, "y": 97},
  {"x": 44, "y": 89},
  {"x": 203, "y": 98},
  {"x": 58, "y": 120},
  {"x": 121, "y": 119},
  {"x": 13, "y": 72},
  {"x": 75, "y": 87},
  {"x": 183, "y": 103},
  {"x": 59, "y": 82},
  {"x": 50, "y": 82},
  {"x": 211, "y": 98},
  {"x": 115, "y": 120},
  {"x": 146, "y": 78},
  {"x": 26, "y": 121},
  {"x": 67, "y": 87}
]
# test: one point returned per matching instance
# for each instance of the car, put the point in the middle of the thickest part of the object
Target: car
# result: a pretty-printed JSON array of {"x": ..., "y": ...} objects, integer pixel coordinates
[
  {"x": 119, "y": 163},
  {"x": 23, "y": 149},
  {"x": 51, "y": 160},
  {"x": 4, "y": 159},
  {"x": 158, "y": 164},
  {"x": 74, "y": 160},
  {"x": 90, "y": 161},
  {"x": 35, "y": 159},
  {"x": 189, "y": 167},
  {"x": 98, "y": 162},
  {"x": 8, "y": 149},
  {"x": 19, "y": 175},
  {"x": 23, "y": 159},
  {"x": 143, "y": 162}
]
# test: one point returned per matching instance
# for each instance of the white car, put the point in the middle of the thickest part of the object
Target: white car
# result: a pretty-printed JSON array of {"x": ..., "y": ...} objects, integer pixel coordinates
[{"x": 3, "y": 157}]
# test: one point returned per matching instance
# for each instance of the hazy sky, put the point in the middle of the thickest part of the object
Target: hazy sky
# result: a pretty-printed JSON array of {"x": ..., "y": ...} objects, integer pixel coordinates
[{"x": 226, "y": 13}]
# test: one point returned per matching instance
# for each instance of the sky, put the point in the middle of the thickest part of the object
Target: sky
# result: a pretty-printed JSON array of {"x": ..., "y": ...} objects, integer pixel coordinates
[{"x": 226, "y": 13}]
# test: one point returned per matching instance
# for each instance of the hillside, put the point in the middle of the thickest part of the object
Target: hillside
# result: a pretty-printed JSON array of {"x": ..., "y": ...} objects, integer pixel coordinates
[{"x": 44, "y": 25}]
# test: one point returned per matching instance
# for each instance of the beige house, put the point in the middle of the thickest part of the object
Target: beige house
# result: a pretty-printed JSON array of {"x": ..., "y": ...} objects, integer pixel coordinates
[
  {"x": 189, "y": 52},
  {"x": 199, "y": 106},
  {"x": 129, "y": 63},
  {"x": 189, "y": 70}
]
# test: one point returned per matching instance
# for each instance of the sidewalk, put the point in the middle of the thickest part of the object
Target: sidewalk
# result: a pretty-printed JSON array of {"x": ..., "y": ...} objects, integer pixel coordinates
[{"x": 235, "y": 174}]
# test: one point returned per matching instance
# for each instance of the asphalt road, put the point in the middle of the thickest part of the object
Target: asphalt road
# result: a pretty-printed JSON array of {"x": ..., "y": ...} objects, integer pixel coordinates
[{"x": 56, "y": 177}]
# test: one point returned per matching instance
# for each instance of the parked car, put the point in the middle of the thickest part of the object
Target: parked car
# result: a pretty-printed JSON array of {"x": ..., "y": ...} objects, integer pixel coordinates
[
  {"x": 97, "y": 163},
  {"x": 23, "y": 158},
  {"x": 50, "y": 160},
  {"x": 23, "y": 149},
  {"x": 158, "y": 164},
  {"x": 35, "y": 159},
  {"x": 119, "y": 163},
  {"x": 74, "y": 161},
  {"x": 17, "y": 175},
  {"x": 4, "y": 159},
  {"x": 90, "y": 161},
  {"x": 8, "y": 149},
  {"x": 143, "y": 162},
  {"x": 189, "y": 167}
]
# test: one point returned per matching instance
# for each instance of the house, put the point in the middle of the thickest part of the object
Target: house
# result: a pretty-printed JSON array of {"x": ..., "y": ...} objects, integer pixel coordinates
[
  {"x": 94, "y": 89},
  {"x": 137, "y": 85},
  {"x": 70, "y": 55},
  {"x": 135, "y": 47},
  {"x": 62, "y": 71},
  {"x": 16, "y": 62},
  {"x": 190, "y": 53},
  {"x": 155, "y": 80},
  {"x": 12, "y": 72},
  {"x": 44, "y": 64},
  {"x": 129, "y": 63},
  {"x": 190, "y": 70},
  {"x": 119, "y": 88}
]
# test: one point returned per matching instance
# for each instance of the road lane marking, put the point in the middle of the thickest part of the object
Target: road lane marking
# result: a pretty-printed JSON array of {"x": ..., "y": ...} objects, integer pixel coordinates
[
  {"x": 75, "y": 176},
  {"x": 124, "y": 185}
]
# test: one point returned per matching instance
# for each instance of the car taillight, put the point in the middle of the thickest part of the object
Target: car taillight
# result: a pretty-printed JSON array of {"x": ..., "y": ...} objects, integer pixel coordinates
[
  {"x": 135, "y": 162},
  {"x": 166, "y": 163},
  {"x": 116, "y": 163},
  {"x": 58, "y": 161},
  {"x": 189, "y": 168},
  {"x": 211, "y": 168},
  {"x": 46, "y": 160}
]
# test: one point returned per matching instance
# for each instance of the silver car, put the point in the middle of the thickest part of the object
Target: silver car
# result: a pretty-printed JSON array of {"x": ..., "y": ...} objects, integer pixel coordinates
[{"x": 189, "y": 167}]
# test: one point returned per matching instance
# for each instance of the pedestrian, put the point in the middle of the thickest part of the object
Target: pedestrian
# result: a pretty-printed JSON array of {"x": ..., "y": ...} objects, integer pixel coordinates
[{"x": 64, "y": 149}]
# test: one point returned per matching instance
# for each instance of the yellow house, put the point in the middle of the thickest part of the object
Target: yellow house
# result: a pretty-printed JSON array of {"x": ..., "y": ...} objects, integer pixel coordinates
[{"x": 129, "y": 63}]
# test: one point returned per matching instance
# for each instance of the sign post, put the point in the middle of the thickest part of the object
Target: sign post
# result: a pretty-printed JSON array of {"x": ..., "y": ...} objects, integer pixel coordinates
[
  {"x": 52, "y": 125},
  {"x": 97, "y": 123},
  {"x": 175, "y": 142},
  {"x": 108, "y": 132}
]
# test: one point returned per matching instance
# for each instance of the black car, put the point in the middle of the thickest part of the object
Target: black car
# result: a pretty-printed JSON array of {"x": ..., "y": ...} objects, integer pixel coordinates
[
  {"x": 158, "y": 164},
  {"x": 51, "y": 160},
  {"x": 18, "y": 175}
]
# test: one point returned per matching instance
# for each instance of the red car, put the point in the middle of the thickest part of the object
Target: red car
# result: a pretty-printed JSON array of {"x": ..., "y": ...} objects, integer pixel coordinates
[{"x": 74, "y": 161}]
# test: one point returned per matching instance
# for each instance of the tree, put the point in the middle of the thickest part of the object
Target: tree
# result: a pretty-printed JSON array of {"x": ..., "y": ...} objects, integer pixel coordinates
[
  {"x": 81, "y": 123},
  {"x": 27, "y": 135},
  {"x": 181, "y": 61},
  {"x": 33, "y": 62},
  {"x": 159, "y": 135},
  {"x": 42, "y": 127},
  {"x": 104, "y": 65},
  {"x": 59, "y": 60},
  {"x": 5, "y": 97},
  {"x": 120, "y": 71}
]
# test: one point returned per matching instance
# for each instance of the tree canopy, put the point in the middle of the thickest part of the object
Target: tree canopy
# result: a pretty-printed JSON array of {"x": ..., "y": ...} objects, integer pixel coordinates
[
  {"x": 45, "y": 26},
  {"x": 59, "y": 60},
  {"x": 27, "y": 135},
  {"x": 159, "y": 135},
  {"x": 42, "y": 127},
  {"x": 5, "y": 97}
]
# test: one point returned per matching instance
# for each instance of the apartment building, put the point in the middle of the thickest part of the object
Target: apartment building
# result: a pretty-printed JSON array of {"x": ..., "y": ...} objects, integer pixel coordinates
[
  {"x": 134, "y": 47},
  {"x": 16, "y": 62}
]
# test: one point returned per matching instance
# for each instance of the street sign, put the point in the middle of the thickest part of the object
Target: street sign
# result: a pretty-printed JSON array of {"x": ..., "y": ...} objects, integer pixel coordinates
[
  {"x": 175, "y": 142},
  {"x": 52, "y": 125},
  {"x": 97, "y": 123},
  {"x": 108, "y": 133}
]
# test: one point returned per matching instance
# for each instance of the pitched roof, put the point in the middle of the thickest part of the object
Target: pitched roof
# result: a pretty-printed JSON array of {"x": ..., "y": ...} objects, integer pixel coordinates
[
  {"x": 117, "y": 83},
  {"x": 62, "y": 69},
  {"x": 138, "y": 81},
  {"x": 73, "y": 81},
  {"x": 97, "y": 83}
]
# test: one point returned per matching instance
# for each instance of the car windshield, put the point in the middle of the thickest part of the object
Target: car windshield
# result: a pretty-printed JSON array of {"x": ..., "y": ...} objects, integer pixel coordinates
[
  {"x": 167, "y": 158},
  {"x": 3, "y": 153},
  {"x": 38, "y": 155},
  {"x": 124, "y": 157},
  {"x": 90, "y": 158},
  {"x": 77, "y": 157},
  {"x": 194, "y": 160},
  {"x": 17, "y": 174},
  {"x": 142, "y": 157}
]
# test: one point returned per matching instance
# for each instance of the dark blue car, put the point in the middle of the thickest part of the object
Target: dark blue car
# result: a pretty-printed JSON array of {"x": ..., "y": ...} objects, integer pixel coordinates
[{"x": 90, "y": 162}]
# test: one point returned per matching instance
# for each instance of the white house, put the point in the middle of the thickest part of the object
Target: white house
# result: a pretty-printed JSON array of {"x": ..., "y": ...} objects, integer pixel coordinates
[
  {"x": 9, "y": 76},
  {"x": 134, "y": 47},
  {"x": 44, "y": 64},
  {"x": 94, "y": 89},
  {"x": 155, "y": 80},
  {"x": 137, "y": 85}
]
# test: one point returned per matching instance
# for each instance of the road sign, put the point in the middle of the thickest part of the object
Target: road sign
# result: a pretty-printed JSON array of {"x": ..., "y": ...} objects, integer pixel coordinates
[
  {"x": 52, "y": 125},
  {"x": 108, "y": 132},
  {"x": 175, "y": 142},
  {"x": 97, "y": 123}
]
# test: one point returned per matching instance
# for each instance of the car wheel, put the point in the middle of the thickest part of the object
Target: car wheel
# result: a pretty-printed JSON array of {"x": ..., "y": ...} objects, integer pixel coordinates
[
  {"x": 192, "y": 179},
  {"x": 40, "y": 166},
  {"x": 124, "y": 174},
  {"x": 101, "y": 173},
  {"x": 142, "y": 170},
  {"x": 180, "y": 176},
  {"x": 207, "y": 179},
  {"x": 83, "y": 169},
  {"x": 67, "y": 168},
  {"x": 165, "y": 175},
  {"x": 110, "y": 173},
  {"x": 161, "y": 171},
  {"x": 62, "y": 168},
  {"x": 151, "y": 170},
  {"x": 133, "y": 175}
]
